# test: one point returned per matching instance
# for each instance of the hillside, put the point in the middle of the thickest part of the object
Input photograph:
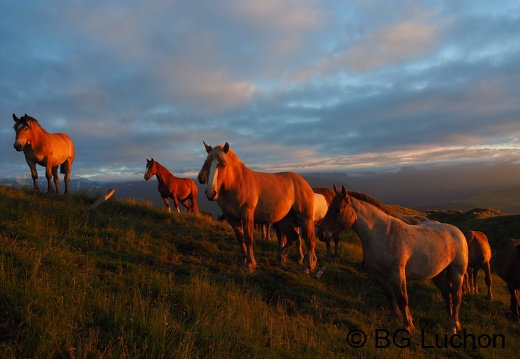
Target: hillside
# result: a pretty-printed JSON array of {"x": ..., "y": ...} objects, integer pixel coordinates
[{"x": 131, "y": 280}]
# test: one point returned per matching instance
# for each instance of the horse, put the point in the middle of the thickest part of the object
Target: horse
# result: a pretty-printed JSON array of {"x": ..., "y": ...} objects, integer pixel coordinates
[
  {"x": 46, "y": 149},
  {"x": 395, "y": 251},
  {"x": 507, "y": 266},
  {"x": 479, "y": 256},
  {"x": 328, "y": 194},
  {"x": 247, "y": 197},
  {"x": 179, "y": 189},
  {"x": 320, "y": 208}
]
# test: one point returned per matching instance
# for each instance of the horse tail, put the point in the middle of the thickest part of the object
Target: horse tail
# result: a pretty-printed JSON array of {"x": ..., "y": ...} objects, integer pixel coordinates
[
  {"x": 64, "y": 168},
  {"x": 194, "y": 195}
]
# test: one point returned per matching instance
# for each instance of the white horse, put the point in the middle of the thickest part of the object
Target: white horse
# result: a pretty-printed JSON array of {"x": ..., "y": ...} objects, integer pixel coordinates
[{"x": 396, "y": 251}]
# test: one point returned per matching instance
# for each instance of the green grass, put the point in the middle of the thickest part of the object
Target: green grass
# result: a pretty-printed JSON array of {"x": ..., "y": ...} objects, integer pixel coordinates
[{"x": 132, "y": 281}]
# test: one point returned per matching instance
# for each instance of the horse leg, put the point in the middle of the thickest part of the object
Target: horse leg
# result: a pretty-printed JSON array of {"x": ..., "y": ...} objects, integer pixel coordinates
[
  {"x": 268, "y": 232},
  {"x": 176, "y": 204},
  {"x": 300, "y": 249},
  {"x": 56, "y": 179},
  {"x": 474, "y": 280},
  {"x": 239, "y": 233},
  {"x": 281, "y": 238},
  {"x": 514, "y": 302},
  {"x": 167, "y": 203},
  {"x": 34, "y": 175},
  {"x": 287, "y": 231},
  {"x": 66, "y": 168},
  {"x": 441, "y": 282},
  {"x": 455, "y": 275},
  {"x": 465, "y": 284},
  {"x": 329, "y": 249},
  {"x": 186, "y": 205},
  {"x": 487, "y": 274},
  {"x": 249, "y": 229},
  {"x": 336, "y": 249},
  {"x": 308, "y": 235},
  {"x": 193, "y": 199},
  {"x": 398, "y": 283},
  {"x": 468, "y": 279},
  {"x": 385, "y": 283},
  {"x": 48, "y": 174}
]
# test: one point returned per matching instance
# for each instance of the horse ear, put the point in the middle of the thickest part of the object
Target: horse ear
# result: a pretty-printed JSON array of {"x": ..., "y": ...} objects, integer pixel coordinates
[
  {"x": 336, "y": 190},
  {"x": 16, "y": 119},
  {"x": 226, "y": 147},
  {"x": 344, "y": 192},
  {"x": 208, "y": 147}
]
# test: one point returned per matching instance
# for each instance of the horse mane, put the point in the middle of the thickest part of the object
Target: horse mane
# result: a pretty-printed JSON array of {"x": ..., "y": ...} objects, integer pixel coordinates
[
  {"x": 163, "y": 168},
  {"x": 373, "y": 201},
  {"x": 25, "y": 119},
  {"x": 225, "y": 158}
]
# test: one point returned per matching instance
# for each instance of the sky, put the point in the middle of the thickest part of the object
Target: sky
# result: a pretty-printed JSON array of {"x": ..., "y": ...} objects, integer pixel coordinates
[{"x": 310, "y": 85}]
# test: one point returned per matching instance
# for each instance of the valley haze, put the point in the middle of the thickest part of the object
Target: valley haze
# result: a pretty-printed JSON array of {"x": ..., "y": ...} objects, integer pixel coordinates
[{"x": 459, "y": 186}]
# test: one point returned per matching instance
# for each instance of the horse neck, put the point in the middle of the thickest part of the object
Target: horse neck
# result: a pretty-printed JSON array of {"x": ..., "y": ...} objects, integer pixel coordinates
[
  {"x": 38, "y": 132},
  {"x": 235, "y": 171},
  {"x": 371, "y": 220},
  {"x": 162, "y": 173}
]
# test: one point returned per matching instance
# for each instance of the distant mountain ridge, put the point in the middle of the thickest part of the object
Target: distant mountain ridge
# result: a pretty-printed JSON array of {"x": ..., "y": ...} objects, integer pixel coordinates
[{"x": 461, "y": 187}]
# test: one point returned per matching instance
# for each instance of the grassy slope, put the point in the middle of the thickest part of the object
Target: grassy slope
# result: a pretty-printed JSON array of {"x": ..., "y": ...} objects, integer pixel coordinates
[{"x": 134, "y": 281}]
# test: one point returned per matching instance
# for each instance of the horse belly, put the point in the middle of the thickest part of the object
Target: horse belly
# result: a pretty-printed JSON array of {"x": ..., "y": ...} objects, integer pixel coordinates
[
  {"x": 271, "y": 212},
  {"x": 426, "y": 266}
]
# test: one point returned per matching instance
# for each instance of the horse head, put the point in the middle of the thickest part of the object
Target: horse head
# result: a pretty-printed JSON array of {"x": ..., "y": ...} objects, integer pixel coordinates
[
  {"x": 209, "y": 173},
  {"x": 150, "y": 169},
  {"x": 340, "y": 215},
  {"x": 23, "y": 127}
]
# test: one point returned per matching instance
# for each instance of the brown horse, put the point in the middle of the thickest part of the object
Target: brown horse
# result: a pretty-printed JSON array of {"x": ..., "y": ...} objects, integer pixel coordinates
[
  {"x": 395, "y": 251},
  {"x": 46, "y": 149},
  {"x": 179, "y": 189},
  {"x": 479, "y": 256},
  {"x": 507, "y": 260},
  {"x": 247, "y": 197}
]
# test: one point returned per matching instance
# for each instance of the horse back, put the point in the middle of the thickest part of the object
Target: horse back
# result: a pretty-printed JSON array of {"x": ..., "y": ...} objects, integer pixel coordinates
[
  {"x": 325, "y": 192},
  {"x": 441, "y": 245},
  {"x": 507, "y": 259},
  {"x": 271, "y": 195},
  {"x": 183, "y": 188},
  {"x": 479, "y": 251}
]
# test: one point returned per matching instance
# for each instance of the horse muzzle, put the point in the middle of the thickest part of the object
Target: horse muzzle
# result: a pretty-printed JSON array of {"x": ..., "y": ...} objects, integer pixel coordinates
[
  {"x": 18, "y": 146},
  {"x": 323, "y": 236},
  {"x": 202, "y": 179},
  {"x": 211, "y": 194}
]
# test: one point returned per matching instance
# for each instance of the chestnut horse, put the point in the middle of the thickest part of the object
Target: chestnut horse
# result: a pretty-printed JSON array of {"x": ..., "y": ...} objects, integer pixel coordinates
[
  {"x": 507, "y": 260},
  {"x": 479, "y": 256},
  {"x": 179, "y": 189},
  {"x": 46, "y": 149},
  {"x": 247, "y": 197},
  {"x": 395, "y": 251}
]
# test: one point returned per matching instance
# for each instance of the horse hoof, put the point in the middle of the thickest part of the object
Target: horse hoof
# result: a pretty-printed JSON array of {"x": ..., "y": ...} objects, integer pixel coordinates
[
  {"x": 280, "y": 260},
  {"x": 249, "y": 267}
]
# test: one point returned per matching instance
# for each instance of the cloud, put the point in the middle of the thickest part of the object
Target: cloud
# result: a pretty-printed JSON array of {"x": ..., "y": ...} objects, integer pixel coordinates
[
  {"x": 396, "y": 44},
  {"x": 289, "y": 84}
]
